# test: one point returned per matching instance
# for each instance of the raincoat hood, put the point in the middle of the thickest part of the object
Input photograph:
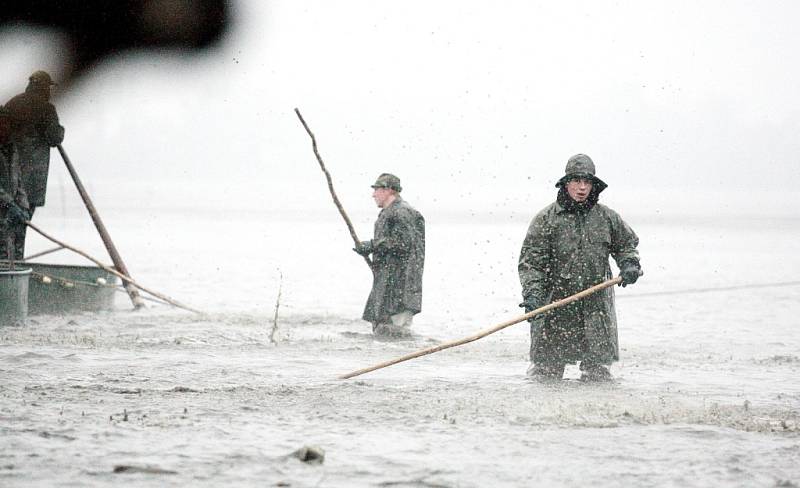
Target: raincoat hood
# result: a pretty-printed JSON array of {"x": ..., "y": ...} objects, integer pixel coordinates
[{"x": 581, "y": 166}]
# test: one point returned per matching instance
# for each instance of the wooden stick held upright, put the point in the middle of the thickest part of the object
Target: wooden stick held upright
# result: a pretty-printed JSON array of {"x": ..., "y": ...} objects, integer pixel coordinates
[
  {"x": 492, "y": 330},
  {"x": 330, "y": 187},
  {"x": 101, "y": 229}
]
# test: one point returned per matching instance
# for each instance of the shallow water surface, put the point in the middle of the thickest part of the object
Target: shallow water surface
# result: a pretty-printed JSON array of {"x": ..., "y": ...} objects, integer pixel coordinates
[{"x": 705, "y": 392}]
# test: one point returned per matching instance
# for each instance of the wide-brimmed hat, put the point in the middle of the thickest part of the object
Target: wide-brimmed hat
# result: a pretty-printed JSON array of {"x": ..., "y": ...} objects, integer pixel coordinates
[
  {"x": 388, "y": 180},
  {"x": 581, "y": 166}
]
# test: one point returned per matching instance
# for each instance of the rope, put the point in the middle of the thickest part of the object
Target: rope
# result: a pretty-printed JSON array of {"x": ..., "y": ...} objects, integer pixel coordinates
[
  {"x": 61, "y": 279},
  {"x": 708, "y": 290},
  {"x": 116, "y": 288}
]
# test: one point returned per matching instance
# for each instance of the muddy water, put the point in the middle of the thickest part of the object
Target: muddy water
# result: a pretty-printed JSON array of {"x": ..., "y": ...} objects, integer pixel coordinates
[{"x": 706, "y": 392}]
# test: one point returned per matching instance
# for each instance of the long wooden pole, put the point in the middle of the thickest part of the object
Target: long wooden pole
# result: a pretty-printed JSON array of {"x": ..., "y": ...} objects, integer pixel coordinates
[
  {"x": 101, "y": 228},
  {"x": 115, "y": 272},
  {"x": 330, "y": 187},
  {"x": 484, "y": 333},
  {"x": 40, "y": 254}
]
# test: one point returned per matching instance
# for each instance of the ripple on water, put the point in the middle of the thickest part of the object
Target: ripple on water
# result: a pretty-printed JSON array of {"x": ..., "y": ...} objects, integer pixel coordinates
[{"x": 25, "y": 357}]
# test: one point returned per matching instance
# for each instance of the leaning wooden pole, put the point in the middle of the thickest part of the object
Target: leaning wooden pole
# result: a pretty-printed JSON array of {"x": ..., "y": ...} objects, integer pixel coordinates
[
  {"x": 101, "y": 228},
  {"x": 43, "y": 253},
  {"x": 113, "y": 271},
  {"x": 330, "y": 187},
  {"x": 484, "y": 333}
]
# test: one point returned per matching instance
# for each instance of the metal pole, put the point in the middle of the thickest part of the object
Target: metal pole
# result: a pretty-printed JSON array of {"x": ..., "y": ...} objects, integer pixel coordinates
[
  {"x": 10, "y": 251},
  {"x": 112, "y": 250}
]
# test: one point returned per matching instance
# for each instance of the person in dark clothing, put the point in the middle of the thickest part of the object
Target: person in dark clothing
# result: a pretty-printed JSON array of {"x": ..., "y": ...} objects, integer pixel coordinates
[
  {"x": 398, "y": 258},
  {"x": 34, "y": 129},
  {"x": 565, "y": 251},
  {"x": 13, "y": 200}
]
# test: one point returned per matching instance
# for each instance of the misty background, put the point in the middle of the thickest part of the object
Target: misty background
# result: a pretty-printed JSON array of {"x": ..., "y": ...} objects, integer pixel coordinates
[
  {"x": 687, "y": 110},
  {"x": 474, "y": 105}
]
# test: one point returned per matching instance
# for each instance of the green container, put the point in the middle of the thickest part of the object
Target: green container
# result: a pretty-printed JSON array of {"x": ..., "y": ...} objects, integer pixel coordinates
[
  {"x": 57, "y": 289},
  {"x": 13, "y": 295}
]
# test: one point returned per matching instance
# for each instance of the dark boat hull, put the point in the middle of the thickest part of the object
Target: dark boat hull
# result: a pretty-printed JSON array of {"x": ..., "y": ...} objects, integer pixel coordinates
[{"x": 56, "y": 289}]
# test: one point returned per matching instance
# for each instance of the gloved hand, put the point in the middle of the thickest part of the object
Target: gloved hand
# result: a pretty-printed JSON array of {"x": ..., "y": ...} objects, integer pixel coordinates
[
  {"x": 363, "y": 248},
  {"x": 629, "y": 271},
  {"x": 17, "y": 214},
  {"x": 531, "y": 303}
]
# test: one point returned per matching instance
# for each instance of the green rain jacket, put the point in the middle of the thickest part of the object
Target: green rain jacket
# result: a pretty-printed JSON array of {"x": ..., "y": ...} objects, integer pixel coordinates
[
  {"x": 564, "y": 253},
  {"x": 398, "y": 258}
]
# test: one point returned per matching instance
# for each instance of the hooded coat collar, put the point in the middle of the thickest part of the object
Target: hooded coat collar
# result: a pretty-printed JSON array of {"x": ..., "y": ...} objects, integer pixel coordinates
[{"x": 569, "y": 205}]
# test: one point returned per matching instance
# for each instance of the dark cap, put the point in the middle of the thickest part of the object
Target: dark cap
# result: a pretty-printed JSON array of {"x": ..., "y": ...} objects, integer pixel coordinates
[
  {"x": 41, "y": 78},
  {"x": 388, "y": 180},
  {"x": 581, "y": 166}
]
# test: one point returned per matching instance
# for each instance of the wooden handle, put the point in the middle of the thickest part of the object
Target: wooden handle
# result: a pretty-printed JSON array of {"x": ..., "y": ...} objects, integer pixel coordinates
[
  {"x": 492, "y": 330},
  {"x": 101, "y": 229}
]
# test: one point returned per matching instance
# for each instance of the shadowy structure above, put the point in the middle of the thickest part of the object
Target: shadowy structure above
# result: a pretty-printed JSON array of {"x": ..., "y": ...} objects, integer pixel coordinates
[{"x": 96, "y": 29}]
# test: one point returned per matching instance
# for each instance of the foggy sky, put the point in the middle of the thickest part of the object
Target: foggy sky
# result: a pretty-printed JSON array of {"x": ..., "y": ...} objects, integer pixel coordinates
[{"x": 683, "y": 106}]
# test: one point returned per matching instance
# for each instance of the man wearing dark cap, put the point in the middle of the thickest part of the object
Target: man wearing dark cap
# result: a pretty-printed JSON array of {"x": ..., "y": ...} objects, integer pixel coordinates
[
  {"x": 565, "y": 251},
  {"x": 398, "y": 257},
  {"x": 34, "y": 130}
]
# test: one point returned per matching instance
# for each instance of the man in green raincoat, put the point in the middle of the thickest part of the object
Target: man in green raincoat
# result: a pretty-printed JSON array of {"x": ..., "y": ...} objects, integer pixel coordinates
[
  {"x": 398, "y": 258},
  {"x": 565, "y": 251}
]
